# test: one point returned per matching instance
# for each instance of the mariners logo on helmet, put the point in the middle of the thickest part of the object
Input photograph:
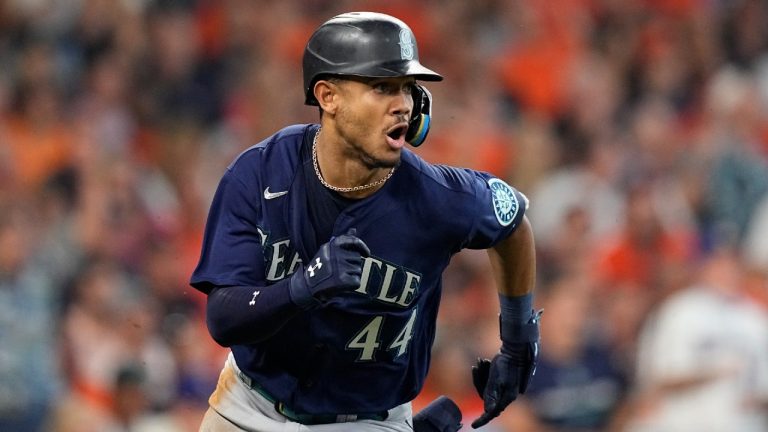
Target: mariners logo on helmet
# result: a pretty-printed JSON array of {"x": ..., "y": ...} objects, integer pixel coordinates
[
  {"x": 406, "y": 44},
  {"x": 505, "y": 203}
]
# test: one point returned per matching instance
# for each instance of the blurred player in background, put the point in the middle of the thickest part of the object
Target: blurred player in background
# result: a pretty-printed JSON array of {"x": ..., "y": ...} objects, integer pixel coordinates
[
  {"x": 325, "y": 246},
  {"x": 703, "y": 356}
]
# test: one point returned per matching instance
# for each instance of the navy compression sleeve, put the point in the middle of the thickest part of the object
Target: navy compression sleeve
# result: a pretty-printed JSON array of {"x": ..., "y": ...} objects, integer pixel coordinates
[{"x": 243, "y": 314}]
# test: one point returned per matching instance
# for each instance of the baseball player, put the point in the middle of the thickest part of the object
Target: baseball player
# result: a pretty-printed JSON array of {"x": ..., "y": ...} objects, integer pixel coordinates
[{"x": 325, "y": 245}]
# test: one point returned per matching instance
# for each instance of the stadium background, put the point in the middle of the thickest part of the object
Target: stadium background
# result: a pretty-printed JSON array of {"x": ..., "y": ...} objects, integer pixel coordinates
[{"x": 638, "y": 129}]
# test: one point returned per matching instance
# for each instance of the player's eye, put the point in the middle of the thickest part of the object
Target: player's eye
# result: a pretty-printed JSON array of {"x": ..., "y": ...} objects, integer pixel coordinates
[
  {"x": 393, "y": 88},
  {"x": 383, "y": 87}
]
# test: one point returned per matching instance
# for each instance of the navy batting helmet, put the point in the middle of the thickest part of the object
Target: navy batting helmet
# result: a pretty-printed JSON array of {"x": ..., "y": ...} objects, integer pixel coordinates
[{"x": 365, "y": 44}]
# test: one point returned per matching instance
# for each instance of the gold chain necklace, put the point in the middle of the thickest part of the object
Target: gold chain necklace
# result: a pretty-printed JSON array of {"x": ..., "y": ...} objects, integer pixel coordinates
[{"x": 342, "y": 189}]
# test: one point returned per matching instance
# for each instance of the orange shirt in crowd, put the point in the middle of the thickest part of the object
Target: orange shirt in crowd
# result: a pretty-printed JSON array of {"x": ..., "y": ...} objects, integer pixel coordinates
[{"x": 35, "y": 153}]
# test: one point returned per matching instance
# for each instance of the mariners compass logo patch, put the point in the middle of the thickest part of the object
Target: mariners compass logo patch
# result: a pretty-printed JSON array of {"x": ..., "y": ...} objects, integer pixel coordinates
[{"x": 505, "y": 203}]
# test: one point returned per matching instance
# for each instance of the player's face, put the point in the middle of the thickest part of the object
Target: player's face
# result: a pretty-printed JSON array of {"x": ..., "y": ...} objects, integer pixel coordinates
[{"x": 373, "y": 117}]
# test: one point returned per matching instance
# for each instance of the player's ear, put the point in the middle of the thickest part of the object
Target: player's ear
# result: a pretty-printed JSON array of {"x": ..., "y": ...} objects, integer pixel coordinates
[{"x": 326, "y": 92}]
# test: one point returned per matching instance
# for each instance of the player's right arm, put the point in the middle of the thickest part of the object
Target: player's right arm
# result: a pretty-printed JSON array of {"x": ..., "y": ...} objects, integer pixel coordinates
[{"x": 242, "y": 307}]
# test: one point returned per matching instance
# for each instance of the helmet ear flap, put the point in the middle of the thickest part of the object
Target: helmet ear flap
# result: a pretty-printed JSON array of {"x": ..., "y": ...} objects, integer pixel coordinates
[{"x": 418, "y": 125}]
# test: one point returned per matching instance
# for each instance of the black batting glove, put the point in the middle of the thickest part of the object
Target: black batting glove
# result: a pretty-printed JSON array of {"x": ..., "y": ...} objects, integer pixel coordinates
[
  {"x": 501, "y": 380},
  {"x": 335, "y": 268}
]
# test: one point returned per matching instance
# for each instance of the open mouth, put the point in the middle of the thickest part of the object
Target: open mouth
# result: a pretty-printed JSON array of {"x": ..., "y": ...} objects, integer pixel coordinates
[{"x": 398, "y": 131}]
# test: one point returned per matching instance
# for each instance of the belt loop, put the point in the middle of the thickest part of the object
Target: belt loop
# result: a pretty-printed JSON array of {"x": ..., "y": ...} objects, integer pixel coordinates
[{"x": 245, "y": 378}]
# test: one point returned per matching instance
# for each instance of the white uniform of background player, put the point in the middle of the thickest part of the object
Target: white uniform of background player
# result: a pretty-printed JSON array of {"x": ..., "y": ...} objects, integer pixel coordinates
[{"x": 703, "y": 358}]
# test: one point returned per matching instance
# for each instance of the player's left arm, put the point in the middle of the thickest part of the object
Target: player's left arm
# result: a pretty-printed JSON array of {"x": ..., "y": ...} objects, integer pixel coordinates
[{"x": 499, "y": 381}]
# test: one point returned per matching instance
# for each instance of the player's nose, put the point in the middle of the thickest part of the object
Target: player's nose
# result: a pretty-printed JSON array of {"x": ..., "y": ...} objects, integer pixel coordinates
[{"x": 402, "y": 105}]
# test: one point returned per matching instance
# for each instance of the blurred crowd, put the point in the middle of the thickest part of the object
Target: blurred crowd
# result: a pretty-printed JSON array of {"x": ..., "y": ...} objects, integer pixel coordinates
[{"x": 637, "y": 128}]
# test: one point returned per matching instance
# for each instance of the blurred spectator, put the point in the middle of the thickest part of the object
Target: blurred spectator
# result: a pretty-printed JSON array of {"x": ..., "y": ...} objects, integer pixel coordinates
[
  {"x": 129, "y": 411},
  {"x": 738, "y": 172},
  {"x": 29, "y": 322},
  {"x": 178, "y": 84},
  {"x": 646, "y": 259},
  {"x": 38, "y": 142},
  {"x": 703, "y": 357},
  {"x": 108, "y": 324},
  {"x": 197, "y": 358},
  {"x": 584, "y": 192},
  {"x": 645, "y": 252}
]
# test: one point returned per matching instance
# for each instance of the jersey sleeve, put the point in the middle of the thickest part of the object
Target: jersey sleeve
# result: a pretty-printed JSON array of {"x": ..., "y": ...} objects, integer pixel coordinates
[
  {"x": 498, "y": 211},
  {"x": 232, "y": 252}
]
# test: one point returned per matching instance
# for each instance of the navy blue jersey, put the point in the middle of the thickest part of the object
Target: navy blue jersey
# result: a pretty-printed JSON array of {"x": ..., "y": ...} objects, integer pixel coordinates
[{"x": 366, "y": 350}]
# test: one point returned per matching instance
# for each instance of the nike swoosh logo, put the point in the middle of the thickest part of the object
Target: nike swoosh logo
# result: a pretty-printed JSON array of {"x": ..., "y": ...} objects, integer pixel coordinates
[{"x": 271, "y": 195}]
